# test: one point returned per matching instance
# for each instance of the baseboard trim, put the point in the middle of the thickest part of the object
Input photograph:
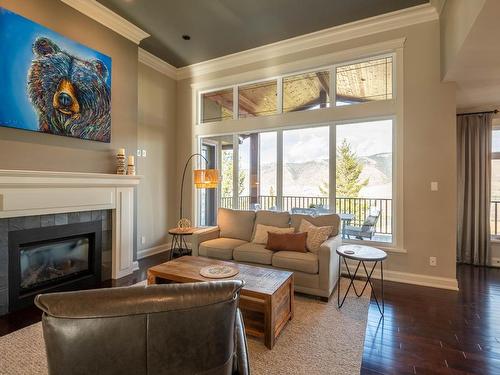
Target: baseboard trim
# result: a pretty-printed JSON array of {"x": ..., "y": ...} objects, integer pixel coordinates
[
  {"x": 414, "y": 279},
  {"x": 153, "y": 250}
]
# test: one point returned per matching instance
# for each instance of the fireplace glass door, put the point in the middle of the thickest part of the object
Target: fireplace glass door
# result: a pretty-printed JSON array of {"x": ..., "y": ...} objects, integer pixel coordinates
[{"x": 47, "y": 263}]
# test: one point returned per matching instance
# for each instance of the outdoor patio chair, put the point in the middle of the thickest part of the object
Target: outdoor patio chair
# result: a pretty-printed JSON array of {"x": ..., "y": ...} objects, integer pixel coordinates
[
  {"x": 367, "y": 230},
  {"x": 304, "y": 211}
]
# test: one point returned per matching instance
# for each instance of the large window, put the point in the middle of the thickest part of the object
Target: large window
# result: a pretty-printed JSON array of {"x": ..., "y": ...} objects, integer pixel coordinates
[
  {"x": 292, "y": 170},
  {"x": 357, "y": 82},
  {"x": 363, "y": 179},
  {"x": 495, "y": 184}
]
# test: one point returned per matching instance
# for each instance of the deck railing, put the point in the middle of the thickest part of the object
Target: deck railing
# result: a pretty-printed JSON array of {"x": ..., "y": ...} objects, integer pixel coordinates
[{"x": 359, "y": 207}]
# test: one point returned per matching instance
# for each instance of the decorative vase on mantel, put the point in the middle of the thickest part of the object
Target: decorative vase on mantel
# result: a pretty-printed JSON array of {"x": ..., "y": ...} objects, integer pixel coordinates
[{"x": 121, "y": 166}]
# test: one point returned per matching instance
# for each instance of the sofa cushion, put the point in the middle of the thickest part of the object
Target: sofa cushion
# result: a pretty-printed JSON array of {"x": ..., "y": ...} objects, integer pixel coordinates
[
  {"x": 253, "y": 253},
  {"x": 220, "y": 248},
  {"x": 271, "y": 218},
  {"x": 332, "y": 220},
  {"x": 235, "y": 223},
  {"x": 295, "y": 261},
  {"x": 315, "y": 235},
  {"x": 287, "y": 242},
  {"x": 261, "y": 232}
]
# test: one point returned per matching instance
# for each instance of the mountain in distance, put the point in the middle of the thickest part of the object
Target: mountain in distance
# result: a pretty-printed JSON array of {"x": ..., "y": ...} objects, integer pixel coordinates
[{"x": 305, "y": 179}]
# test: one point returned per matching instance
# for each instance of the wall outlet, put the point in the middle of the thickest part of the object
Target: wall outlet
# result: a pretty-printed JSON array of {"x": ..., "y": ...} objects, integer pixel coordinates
[
  {"x": 138, "y": 153},
  {"x": 495, "y": 262},
  {"x": 143, "y": 240},
  {"x": 434, "y": 186},
  {"x": 143, "y": 153},
  {"x": 433, "y": 261}
]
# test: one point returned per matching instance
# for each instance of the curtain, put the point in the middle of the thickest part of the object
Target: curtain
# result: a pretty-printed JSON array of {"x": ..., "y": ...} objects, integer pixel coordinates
[{"x": 474, "y": 188}]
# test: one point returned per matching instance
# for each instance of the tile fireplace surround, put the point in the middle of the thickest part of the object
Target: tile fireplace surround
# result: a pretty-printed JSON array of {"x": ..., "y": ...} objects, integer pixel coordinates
[{"x": 40, "y": 198}]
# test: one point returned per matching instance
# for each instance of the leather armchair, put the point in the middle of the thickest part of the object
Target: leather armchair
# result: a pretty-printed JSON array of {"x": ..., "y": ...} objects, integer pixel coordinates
[{"x": 159, "y": 329}]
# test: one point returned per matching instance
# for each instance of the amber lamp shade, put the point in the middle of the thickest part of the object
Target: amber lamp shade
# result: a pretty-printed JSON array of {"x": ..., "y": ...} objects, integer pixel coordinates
[{"x": 206, "y": 178}]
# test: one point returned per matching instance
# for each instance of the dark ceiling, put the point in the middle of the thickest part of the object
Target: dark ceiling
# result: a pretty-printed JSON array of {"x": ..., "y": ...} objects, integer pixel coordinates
[{"x": 222, "y": 27}]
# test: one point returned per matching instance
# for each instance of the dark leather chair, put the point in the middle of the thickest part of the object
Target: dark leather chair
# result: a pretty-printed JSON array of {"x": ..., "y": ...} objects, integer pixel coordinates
[{"x": 159, "y": 329}]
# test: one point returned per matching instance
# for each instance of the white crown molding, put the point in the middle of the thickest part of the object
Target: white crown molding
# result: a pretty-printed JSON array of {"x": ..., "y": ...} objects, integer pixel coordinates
[
  {"x": 108, "y": 18},
  {"x": 336, "y": 34},
  {"x": 156, "y": 63}
]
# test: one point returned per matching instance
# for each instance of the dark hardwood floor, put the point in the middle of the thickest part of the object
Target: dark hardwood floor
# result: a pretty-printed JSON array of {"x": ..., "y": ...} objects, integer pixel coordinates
[
  {"x": 424, "y": 331},
  {"x": 434, "y": 331}
]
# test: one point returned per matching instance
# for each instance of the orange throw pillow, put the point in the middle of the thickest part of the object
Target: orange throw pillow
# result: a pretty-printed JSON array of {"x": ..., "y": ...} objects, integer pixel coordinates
[{"x": 287, "y": 242}]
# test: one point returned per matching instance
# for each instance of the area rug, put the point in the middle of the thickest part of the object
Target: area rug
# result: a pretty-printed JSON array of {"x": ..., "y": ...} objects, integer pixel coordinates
[{"x": 319, "y": 340}]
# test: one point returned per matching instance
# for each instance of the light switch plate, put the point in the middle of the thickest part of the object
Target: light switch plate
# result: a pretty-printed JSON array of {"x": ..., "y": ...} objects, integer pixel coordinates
[
  {"x": 434, "y": 186},
  {"x": 138, "y": 153},
  {"x": 143, "y": 153}
]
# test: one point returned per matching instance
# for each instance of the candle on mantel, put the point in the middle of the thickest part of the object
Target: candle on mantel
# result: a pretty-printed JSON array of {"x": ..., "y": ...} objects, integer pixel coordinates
[
  {"x": 131, "y": 160},
  {"x": 121, "y": 151}
]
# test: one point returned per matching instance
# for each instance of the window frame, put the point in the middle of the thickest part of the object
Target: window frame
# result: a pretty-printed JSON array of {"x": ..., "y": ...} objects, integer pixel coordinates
[{"x": 362, "y": 112}]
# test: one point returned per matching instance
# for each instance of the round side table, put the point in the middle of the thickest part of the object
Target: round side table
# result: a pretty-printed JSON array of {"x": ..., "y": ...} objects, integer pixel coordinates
[
  {"x": 361, "y": 254},
  {"x": 179, "y": 247}
]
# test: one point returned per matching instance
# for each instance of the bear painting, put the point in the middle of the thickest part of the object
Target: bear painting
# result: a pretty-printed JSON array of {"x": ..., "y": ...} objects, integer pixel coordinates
[{"x": 67, "y": 86}]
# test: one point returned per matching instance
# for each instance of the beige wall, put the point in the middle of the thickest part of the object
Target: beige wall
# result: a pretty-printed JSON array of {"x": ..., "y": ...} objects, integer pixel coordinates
[
  {"x": 156, "y": 135},
  {"x": 428, "y": 144},
  {"x": 21, "y": 149},
  {"x": 456, "y": 19}
]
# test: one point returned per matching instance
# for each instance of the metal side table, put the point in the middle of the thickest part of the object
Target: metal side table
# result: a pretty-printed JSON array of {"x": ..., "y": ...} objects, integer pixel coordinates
[
  {"x": 179, "y": 246},
  {"x": 361, "y": 254}
]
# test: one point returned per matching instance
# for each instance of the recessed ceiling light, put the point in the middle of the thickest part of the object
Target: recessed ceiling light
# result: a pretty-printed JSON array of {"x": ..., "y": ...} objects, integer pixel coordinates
[{"x": 186, "y": 37}]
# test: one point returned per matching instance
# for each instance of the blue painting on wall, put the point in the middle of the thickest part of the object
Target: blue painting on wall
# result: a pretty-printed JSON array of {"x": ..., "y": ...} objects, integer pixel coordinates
[{"x": 51, "y": 84}]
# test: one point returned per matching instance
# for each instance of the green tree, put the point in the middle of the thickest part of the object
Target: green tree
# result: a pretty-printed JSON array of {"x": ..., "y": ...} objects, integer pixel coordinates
[
  {"x": 324, "y": 189},
  {"x": 227, "y": 176},
  {"x": 348, "y": 171}
]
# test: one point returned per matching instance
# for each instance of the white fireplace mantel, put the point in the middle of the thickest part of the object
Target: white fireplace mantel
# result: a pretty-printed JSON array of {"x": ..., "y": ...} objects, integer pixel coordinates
[{"x": 27, "y": 193}]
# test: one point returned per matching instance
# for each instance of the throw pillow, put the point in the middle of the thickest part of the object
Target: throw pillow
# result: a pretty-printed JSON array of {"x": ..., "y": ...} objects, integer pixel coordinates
[
  {"x": 287, "y": 242},
  {"x": 261, "y": 232},
  {"x": 315, "y": 235}
]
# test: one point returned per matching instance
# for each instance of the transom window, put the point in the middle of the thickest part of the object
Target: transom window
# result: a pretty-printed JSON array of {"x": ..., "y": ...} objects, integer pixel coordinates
[{"x": 350, "y": 83}]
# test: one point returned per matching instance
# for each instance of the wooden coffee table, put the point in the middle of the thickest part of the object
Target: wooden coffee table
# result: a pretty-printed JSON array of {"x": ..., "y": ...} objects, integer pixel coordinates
[{"x": 266, "y": 300}]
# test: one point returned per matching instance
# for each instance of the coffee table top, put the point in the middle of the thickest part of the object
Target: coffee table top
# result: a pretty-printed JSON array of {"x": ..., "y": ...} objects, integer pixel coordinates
[
  {"x": 187, "y": 269},
  {"x": 361, "y": 252}
]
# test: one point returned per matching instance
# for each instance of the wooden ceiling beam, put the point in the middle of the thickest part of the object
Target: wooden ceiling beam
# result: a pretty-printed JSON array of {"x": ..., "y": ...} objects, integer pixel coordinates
[{"x": 323, "y": 82}]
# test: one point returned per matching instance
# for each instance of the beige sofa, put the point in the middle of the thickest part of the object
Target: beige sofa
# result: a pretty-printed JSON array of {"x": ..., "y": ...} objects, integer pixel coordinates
[{"x": 314, "y": 274}]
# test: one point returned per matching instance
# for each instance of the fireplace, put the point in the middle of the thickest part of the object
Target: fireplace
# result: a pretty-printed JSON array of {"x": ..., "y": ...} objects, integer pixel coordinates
[{"x": 49, "y": 259}]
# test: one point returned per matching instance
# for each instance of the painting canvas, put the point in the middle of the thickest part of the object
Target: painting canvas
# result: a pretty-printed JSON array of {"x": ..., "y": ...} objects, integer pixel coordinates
[{"x": 51, "y": 84}]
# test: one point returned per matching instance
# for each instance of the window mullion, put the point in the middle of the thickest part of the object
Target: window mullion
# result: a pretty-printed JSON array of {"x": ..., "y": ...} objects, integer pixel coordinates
[
  {"x": 279, "y": 170},
  {"x": 279, "y": 96},
  {"x": 332, "y": 195},
  {"x": 236, "y": 170}
]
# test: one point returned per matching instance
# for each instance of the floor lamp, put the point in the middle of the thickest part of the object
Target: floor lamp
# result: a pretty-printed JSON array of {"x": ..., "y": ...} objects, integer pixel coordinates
[{"x": 202, "y": 179}]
